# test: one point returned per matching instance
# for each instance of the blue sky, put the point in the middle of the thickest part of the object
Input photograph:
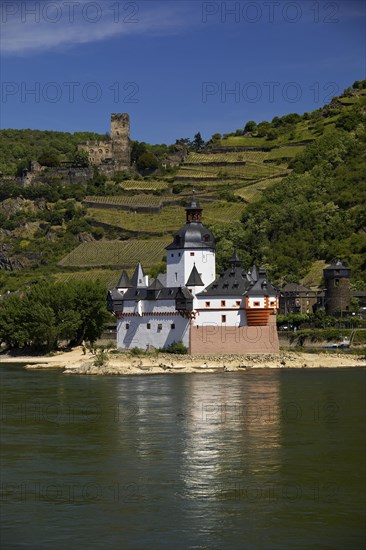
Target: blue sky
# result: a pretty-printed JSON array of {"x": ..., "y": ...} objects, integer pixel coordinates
[{"x": 176, "y": 67}]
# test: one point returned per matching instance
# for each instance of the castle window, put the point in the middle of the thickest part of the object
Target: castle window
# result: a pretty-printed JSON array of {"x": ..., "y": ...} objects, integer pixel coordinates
[
  {"x": 336, "y": 282},
  {"x": 127, "y": 326},
  {"x": 192, "y": 254},
  {"x": 223, "y": 303},
  {"x": 179, "y": 254},
  {"x": 101, "y": 151},
  {"x": 107, "y": 151},
  {"x": 223, "y": 318},
  {"x": 237, "y": 302},
  {"x": 172, "y": 326},
  {"x": 176, "y": 276},
  {"x": 207, "y": 304},
  {"x": 256, "y": 304},
  {"x": 160, "y": 326},
  {"x": 172, "y": 255},
  {"x": 148, "y": 326},
  {"x": 272, "y": 303},
  {"x": 91, "y": 151}
]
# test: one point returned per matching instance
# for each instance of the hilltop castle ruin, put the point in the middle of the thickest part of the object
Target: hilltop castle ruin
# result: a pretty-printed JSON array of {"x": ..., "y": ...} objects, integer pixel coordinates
[{"x": 111, "y": 155}]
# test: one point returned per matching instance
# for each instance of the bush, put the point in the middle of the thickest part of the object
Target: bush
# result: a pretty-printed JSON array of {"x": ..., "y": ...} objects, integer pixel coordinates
[
  {"x": 177, "y": 348},
  {"x": 101, "y": 358}
]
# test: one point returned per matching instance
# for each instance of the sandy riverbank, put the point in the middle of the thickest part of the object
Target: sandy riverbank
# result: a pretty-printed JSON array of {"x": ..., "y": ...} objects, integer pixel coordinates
[{"x": 75, "y": 362}]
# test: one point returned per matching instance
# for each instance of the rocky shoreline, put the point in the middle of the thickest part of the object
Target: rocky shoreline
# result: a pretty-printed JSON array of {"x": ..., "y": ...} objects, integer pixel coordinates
[{"x": 124, "y": 363}]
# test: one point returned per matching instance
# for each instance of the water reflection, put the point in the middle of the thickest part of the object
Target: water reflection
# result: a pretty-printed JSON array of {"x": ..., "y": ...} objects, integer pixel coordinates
[
  {"x": 231, "y": 431},
  {"x": 242, "y": 460}
]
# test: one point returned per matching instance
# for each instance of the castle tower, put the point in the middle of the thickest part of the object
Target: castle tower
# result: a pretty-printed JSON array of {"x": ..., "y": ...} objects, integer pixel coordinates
[
  {"x": 337, "y": 287},
  {"x": 193, "y": 246},
  {"x": 120, "y": 136}
]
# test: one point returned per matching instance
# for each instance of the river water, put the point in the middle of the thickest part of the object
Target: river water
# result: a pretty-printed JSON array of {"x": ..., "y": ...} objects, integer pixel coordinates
[{"x": 264, "y": 459}]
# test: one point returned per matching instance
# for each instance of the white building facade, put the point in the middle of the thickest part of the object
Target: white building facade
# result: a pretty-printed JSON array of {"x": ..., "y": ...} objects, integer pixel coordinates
[{"x": 234, "y": 313}]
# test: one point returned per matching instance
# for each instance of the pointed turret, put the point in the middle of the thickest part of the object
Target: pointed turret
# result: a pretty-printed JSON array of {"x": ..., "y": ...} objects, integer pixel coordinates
[
  {"x": 138, "y": 278},
  {"x": 195, "y": 278},
  {"x": 235, "y": 260},
  {"x": 124, "y": 281}
]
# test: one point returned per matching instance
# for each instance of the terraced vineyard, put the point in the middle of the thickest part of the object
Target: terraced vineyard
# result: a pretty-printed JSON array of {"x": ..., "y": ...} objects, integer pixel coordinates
[
  {"x": 135, "y": 201},
  {"x": 108, "y": 277},
  {"x": 255, "y": 156},
  {"x": 285, "y": 152},
  {"x": 246, "y": 172},
  {"x": 169, "y": 219},
  {"x": 253, "y": 191},
  {"x": 117, "y": 253},
  {"x": 142, "y": 185}
]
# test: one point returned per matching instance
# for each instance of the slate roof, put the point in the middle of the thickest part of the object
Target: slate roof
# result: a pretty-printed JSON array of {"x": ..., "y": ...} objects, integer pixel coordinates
[
  {"x": 235, "y": 281},
  {"x": 194, "y": 279},
  {"x": 193, "y": 235},
  {"x": 138, "y": 277},
  {"x": 232, "y": 282},
  {"x": 146, "y": 293},
  {"x": 162, "y": 277},
  {"x": 124, "y": 281},
  {"x": 294, "y": 287},
  {"x": 263, "y": 288}
]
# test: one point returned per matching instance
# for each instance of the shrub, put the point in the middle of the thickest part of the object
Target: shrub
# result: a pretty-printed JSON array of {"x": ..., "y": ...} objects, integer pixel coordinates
[
  {"x": 177, "y": 348},
  {"x": 101, "y": 358}
]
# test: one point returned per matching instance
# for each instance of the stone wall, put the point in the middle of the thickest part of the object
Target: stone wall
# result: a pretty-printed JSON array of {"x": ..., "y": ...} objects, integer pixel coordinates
[
  {"x": 114, "y": 155},
  {"x": 98, "y": 151}
]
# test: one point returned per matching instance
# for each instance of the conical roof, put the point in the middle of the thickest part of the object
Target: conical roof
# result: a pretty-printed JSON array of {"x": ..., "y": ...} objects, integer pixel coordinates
[
  {"x": 194, "y": 279},
  {"x": 138, "y": 277},
  {"x": 124, "y": 281}
]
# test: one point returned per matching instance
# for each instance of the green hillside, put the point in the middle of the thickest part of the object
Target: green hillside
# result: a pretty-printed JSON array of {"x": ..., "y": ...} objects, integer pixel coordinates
[
  {"x": 18, "y": 147},
  {"x": 289, "y": 193}
]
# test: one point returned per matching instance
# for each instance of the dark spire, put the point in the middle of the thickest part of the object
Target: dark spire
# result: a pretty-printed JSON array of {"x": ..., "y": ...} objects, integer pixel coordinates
[
  {"x": 194, "y": 279},
  {"x": 124, "y": 281},
  {"x": 235, "y": 260},
  {"x": 138, "y": 277}
]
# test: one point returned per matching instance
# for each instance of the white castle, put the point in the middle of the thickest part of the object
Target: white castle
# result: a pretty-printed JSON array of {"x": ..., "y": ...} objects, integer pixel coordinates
[{"x": 234, "y": 313}]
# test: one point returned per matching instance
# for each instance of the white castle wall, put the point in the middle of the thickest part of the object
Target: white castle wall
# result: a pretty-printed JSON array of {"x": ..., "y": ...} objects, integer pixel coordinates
[
  {"x": 160, "y": 316},
  {"x": 180, "y": 264},
  {"x": 212, "y": 313}
]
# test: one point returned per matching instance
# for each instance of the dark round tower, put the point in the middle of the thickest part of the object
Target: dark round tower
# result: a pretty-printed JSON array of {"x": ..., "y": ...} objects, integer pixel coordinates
[{"x": 337, "y": 288}]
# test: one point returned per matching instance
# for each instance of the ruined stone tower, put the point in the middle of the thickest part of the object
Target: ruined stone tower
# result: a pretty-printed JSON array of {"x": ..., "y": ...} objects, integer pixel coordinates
[
  {"x": 112, "y": 155},
  {"x": 337, "y": 288},
  {"x": 120, "y": 136}
]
